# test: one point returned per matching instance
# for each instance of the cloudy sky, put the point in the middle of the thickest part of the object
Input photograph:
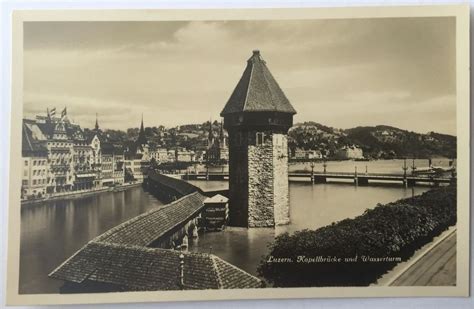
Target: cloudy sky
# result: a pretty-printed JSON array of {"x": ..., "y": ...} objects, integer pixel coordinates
[{"x": 341, "y": 73}]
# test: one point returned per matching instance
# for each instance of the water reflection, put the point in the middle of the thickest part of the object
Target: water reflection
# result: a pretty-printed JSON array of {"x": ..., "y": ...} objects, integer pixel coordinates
[
  {"x": 311, "y": 207},
  {"x": 52, "y": 232}
]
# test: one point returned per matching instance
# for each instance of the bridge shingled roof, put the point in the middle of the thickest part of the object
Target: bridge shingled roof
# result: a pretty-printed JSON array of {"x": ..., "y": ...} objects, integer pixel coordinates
[
  {"x": 180, "y": 186},
  {"x": 151, "y": 269},
  {"x": 257, "y": 91},
  {"x": 142, "y": 230},
  {"x": 120, "y": 256}
]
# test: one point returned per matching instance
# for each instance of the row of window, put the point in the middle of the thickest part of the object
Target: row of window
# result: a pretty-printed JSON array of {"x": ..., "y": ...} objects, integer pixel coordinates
[
  {"x": 59, "y": 155},
  {"x": 60, "y": 144},
  {"x": 39, "y": 172},
  {"x": 34, "y": 182},
  {"x": 61, "y": 161},
  {"x": 260, "y": 138},
  {"x": 36, "y": 162}
]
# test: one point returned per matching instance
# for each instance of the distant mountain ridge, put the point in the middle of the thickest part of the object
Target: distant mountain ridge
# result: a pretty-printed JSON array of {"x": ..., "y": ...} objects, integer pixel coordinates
[{"x": 377, "y": 142}]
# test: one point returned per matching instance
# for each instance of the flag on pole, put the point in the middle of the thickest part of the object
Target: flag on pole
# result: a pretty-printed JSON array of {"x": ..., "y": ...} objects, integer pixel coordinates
[
  {"x": 63, "y": 113},
  {"x": 53, "y": 111}
]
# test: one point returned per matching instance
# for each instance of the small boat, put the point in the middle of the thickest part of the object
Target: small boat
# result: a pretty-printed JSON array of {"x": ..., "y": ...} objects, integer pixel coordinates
[{"x": 433, "y": 171}]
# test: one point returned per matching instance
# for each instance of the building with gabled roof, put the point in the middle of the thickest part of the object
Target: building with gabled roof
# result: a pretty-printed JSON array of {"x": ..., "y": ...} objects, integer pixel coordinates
[
  {"x": 34, "y": 162},
  {"x": 137, "y": 156}
]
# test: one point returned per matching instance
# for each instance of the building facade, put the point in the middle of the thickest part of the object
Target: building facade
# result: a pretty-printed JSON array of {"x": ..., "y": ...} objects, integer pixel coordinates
[
  {"x": 217, "y": 149},
  {"x": 118, "y": 166},
  {"x": 84, "y": 175},
  {"x": 34, "y": 166},
  {"x": 302, "y": 154},
  {"x": 58, "y": 157},
  {"x": 107, "y": 164},
  {"x": 137, "y": 156},
  {"x": 257, "y": 118},
  {"x": 349, "y": 152}
]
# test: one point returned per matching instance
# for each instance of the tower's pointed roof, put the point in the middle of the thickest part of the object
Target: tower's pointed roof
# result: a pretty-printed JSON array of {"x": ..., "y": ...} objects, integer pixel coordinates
[{"x": 257, "y": 91}]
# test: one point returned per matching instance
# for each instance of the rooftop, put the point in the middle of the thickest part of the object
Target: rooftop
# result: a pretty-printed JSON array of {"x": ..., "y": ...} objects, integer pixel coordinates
[
  {"x": 257, "y": 91},
  {"x": 151, "y": 269},
  {"x": 121, "y": 257},
  {"x": 218, "y": 199},
  {"x": 149, "y": 226},
  {"x": 181, "y": 187}
]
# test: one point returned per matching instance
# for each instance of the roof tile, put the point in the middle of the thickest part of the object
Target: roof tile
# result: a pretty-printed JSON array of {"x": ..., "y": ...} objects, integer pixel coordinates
[{"x": 257, "y": 91}]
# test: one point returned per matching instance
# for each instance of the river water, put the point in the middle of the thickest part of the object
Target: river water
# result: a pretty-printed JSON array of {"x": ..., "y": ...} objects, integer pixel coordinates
[{"x": 52, "y": 232}]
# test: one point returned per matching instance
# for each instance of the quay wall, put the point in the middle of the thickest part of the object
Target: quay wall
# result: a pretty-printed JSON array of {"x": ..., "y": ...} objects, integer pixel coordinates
[{"x": 78, "y": 194}]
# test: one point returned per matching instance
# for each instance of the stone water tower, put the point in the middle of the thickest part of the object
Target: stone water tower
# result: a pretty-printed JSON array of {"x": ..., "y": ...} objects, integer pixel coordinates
[{"x": 257, "y": 118}]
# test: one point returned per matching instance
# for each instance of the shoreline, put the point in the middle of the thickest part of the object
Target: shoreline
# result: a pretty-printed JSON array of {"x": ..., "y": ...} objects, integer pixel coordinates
[{"x": 79, "y": 194}]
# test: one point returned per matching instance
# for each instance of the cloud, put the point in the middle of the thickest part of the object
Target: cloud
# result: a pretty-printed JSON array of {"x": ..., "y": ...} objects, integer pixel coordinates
[{"x": 342, "y": 73}]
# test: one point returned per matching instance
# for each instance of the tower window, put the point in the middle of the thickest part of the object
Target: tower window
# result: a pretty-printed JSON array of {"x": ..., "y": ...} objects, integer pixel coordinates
[{"x": 260, "y": 138}]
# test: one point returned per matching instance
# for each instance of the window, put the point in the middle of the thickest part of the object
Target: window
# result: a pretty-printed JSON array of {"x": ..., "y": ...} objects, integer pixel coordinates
[
  {"x": 24, "y": 182},
  {"x": 260, "y": 137},
  {"x": 240, "y": 139},
  {"x": 34, "y": 162},
  {"x": 34, "y": 182},
  {"x": 26, "y": 163}
]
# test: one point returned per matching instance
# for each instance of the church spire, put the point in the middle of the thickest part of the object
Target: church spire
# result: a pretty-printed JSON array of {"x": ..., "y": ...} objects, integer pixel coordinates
[
  {"x": 141, "y": 135},
  {"x": 211, "y": 133},
  {"x": 221, "y": 130},
  {"x": 96, "y": 122}
]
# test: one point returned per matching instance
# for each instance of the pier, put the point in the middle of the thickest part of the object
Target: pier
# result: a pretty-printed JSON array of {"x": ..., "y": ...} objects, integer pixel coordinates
[{"x": 361, "y": 179}]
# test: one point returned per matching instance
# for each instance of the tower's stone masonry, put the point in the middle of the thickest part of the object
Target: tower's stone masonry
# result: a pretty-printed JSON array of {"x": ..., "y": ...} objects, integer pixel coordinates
[
  {"x": 281, "y": 199},
  {"x": 260, "y": 190},
  {"x": 268, "y": 203}
]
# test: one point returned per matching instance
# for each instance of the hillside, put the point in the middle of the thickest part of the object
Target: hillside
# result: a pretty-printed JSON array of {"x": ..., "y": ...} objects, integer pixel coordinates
[
  {"x": 382, "y": 142},
  {"x": 379, "y": 142}
]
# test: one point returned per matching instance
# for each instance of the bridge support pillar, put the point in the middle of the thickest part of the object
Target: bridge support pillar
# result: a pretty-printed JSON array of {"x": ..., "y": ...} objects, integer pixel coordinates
[
  {"x": 411, "y": 182},
  {"x": 319, "y": 179},
  {"x": 362, "y": 181}
]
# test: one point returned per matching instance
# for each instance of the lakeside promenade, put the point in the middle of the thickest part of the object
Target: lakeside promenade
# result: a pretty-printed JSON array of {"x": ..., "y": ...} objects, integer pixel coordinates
[
  {"x": 437, "y": 267},
  {"x": 79, "y": 194}
]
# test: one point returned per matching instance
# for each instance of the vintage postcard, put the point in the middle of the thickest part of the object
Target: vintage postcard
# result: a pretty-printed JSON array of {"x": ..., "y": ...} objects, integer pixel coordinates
[{"x": 165, "y": 155}]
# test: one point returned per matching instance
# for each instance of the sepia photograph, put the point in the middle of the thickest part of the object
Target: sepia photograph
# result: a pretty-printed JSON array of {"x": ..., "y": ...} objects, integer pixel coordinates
[{"x": 244, "y": 153}]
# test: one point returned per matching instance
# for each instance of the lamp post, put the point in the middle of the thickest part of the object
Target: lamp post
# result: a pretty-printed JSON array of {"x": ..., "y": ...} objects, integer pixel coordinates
[
  {"x": 356, "y": 178},
  {"x": 312, "y": 171},
  {"x": 405, "y": 183}
]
